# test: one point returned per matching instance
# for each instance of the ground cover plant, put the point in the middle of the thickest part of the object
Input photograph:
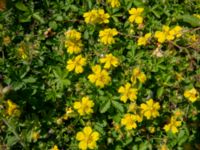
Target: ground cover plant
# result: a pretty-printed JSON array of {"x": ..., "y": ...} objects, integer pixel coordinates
[{"x": 100, "y": 74}]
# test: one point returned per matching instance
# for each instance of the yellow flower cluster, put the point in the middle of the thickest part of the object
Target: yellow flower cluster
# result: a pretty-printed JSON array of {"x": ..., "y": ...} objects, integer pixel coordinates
[
  {"x": 109, "y": 61},
  {"x": 144, "y": 40},
  {"x": 135, "y": 15},
  {"x": 137, "y": 74},
  {"x": 99, "y": 76},
  {"x": 150, "y": 109},
  {"x": 76, "y": 64},
  {"x": 106, "y": 36},
  {"x": 85, "y": 106},
  {"x": 191, "y": 95},
  {"x": 127, "y": 93},
  {"x": 87, "y": 138},
  {"x": 168, "y": 34},
  {"x": 12, "y": 108},
  {"x": 172, "y": 126},
  {"x": 96, "y": 16},
  {"x": 113, "y": 3},
  {"x": 73, "y": 41}
]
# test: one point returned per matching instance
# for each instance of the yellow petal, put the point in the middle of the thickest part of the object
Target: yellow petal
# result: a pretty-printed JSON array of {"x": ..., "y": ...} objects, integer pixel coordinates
[
  {"x": 77, "y": 105},
  {"x": 80, "y": 136},
  {"x": 138, "y": 20},
  {"x": 87, "y": 131},
  {"x": 95, "y": 136},
  {"x": 83, "y": 145}
]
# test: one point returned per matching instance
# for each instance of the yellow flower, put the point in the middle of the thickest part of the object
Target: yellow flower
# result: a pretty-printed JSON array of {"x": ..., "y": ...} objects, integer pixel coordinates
[
  {"x": 59, "y": 121},
  {"x": 96, "y": 16},
  {"x": 102, "y": 16},
  {"x": 73, "y": 41},
  {"x": 167, "y": 34},
  {"x": 91, "y": 16},
  {"x": 73, "y": 47},
  {"x": 160, "y": 36},
  {"x": 87, "y": 138},
  {"x": 137, "y": 74},
  {"x": 144, "y": 40},
  {"x": 178, "y": 113},
  {"x": 6, "y": 40},
  {"x": 150, "y": 109},
  {"x": 55, "y": 147},
  {"x": 113, "y": 3},
  {"x": 197, "y": 15},
  {"x": 128, "y": 93},
  {"x": 135, "y": 15},
  {"x": 129, "y": 121},
  {"x": 106, "y": 36},
  {"x": 85, "y": 106},
  {"x": 12, "y": 108},
  {"x": 132, "y": 107},
  {"x": 172, "y": 126},
  {"x": 22, "y": 53},
  {"x": 177, "y": 31},
  {"x": 35, "y": 136},
  {"x": 100, "y": 76},
  {"x": 193, "y": 38},
  {"x": 170, "y": 34},
  {"x": 76, "y": 64},
  {"x": 151, "y": 129},
  {"x": 68, "y": 111},
  {"x": 191, "y": 94},
  {"x": 109, "y": 61},
  {"x": 164, "y": 147},
  {"x": 73, "y": 35}
]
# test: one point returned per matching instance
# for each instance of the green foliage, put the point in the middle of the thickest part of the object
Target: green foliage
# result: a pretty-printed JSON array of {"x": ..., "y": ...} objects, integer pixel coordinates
[{"x": 33, "y": 74}]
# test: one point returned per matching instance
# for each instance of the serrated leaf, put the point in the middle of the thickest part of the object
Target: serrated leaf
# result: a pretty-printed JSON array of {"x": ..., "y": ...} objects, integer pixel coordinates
[
  {"x": 11, "y": 140},
  {"x": 105, "y": 106},
  {"x": 118, "y": 106},
  {"x": 30, "y": 80}
]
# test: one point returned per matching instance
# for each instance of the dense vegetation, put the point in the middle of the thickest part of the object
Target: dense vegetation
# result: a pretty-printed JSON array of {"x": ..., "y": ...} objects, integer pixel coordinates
[{"x": 100, "y": 74}]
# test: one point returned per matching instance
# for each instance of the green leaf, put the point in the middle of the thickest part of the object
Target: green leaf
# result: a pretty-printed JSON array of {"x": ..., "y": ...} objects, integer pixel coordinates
[
  {"x": 138, "y": 3},
  {"x": 25, "y": 18},
  {"x": 143, "y": 146},
  {"x": 53, "y": 25},
  {"x": 30, "y": 80},
  {"x": 17, "y": 85},
  {"x": 118, "y": 106},
  {"x": 37, "y": 17},
  {"x": 105, "y": 106},
  {"x": 192, "y": 20},
  {"x": 11, "y": 140},
  {"x": 21, "y": 6},
  {"x": 160, "y": 92},
  {"x": 135, "y": 147},
  {"x": 182, "y": 137}
]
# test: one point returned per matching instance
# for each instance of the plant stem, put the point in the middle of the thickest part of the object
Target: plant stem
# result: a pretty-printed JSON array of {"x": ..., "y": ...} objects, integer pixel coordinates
[{"x": 15, "y": 133}]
